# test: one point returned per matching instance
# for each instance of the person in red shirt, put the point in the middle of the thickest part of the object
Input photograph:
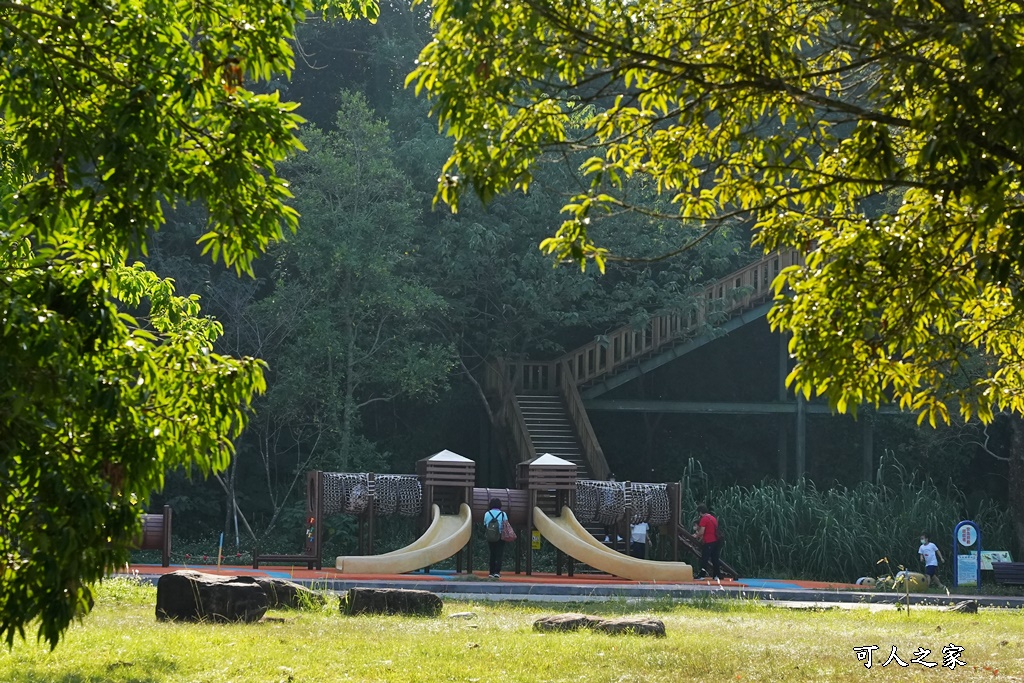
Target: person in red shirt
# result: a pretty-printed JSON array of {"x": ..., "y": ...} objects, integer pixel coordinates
[{"x": 707, "y": 534}]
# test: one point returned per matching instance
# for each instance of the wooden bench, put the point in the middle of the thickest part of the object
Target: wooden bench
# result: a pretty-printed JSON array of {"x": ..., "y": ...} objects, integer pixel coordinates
[
  {"x": 1009, "y": 573},
  {"x": 310, "y": 561},
  {"x": 156, "y": 534}
]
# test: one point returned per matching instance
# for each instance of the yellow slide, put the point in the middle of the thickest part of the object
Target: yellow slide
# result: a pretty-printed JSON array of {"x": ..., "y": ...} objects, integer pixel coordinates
[
  {"x": 446, "y": 535},
  {"x": 569, "y": 536}
]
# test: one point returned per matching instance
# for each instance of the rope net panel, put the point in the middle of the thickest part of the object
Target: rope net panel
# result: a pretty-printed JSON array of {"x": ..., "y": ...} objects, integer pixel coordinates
[
  {"x": 344, "y": 492},
  {"x": 604, "y": 502},
  {"x": 399, "y": 493},
  {"x": 600, "y": 501},
  {"x": 351, "y": 493},
  {"x": 650, "y": 504}
]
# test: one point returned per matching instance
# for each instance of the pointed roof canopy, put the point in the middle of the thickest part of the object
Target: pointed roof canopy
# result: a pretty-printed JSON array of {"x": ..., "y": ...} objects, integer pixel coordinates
[
  {"x": 548, "y": 460},
  {"x": 447, "y": 456}
]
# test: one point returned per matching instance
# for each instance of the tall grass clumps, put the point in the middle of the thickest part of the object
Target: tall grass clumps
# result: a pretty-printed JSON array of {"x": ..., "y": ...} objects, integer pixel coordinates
[{"x": 798, "y": 530}]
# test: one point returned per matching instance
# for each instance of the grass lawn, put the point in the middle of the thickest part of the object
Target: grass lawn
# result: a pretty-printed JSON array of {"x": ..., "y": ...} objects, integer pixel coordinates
[{"x": 707, "y": 641}]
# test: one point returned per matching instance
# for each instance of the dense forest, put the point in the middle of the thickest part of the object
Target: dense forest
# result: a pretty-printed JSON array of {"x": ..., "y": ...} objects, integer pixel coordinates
[{"x": 376, "y": 317}]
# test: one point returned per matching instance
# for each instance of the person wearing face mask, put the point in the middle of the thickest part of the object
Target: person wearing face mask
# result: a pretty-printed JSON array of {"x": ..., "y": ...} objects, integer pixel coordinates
[{"x": 930, "y": 556}]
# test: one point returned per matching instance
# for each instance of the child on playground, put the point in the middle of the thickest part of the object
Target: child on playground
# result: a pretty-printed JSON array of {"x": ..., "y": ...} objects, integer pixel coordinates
[{"x": 930, "y": 556}]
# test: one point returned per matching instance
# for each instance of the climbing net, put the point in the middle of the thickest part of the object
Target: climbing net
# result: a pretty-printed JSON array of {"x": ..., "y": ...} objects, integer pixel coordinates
[
  {"x": 604, "y": 502},
  {"x": 351, "y": 494},
  {"x": 343, "y": 492},
  {"x": 600, "y": 501},
  {"x": 397, "y": 492},
  {"x": 650, "y": 504}
]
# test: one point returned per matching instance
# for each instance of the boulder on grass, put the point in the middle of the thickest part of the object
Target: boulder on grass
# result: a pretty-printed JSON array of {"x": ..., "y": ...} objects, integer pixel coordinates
[
  {"x": 570, "y": 621},
  {"x": 391, "y": 601},
  {"x": 282, "y": 593},
  {"x": 193, "y": 596},
  {"x": 640, "y": 626},
  {"x": 965, "y": 606}
]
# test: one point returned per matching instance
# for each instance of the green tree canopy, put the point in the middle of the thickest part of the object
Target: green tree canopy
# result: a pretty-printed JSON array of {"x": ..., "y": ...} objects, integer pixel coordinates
[
  {"x": 348, "y": 317},
  {"x": 881, "y": 138},
  {"x": 110, "y": 113}
]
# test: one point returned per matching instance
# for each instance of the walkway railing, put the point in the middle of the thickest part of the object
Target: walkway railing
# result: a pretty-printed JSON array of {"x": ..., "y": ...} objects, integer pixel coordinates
[
  {"x": 743, "y": 289},
  {"x": 592, "y": 451},
  {"x": 497, "y": 382}
]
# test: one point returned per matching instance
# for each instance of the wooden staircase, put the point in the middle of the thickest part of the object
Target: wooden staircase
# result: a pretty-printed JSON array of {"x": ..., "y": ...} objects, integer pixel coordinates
[
  {"x": 540, "y": 402},
  {"x": 551, "y": 431},
  {"x": 550, "y": 427}
]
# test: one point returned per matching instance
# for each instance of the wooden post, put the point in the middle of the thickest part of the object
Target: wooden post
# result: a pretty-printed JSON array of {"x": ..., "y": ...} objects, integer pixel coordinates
[
  {"x": 675, "y": 507},
  {"x": 318, "y": 513},
  {"x": 569, "y": 501},
  {"x": 467, "y": 498},
  {"x": 373, "y": 500},
  {"x": 560, "y": 557},
  {"x": 625, "y": 526},
  {"x": 531, "y": 502},
  {"x": 166, "y": 550}
]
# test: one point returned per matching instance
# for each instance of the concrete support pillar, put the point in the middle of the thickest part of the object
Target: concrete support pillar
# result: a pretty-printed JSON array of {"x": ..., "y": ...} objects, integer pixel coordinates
[
  {"x": 867, "y": 426},
  {"x": 801, "y": 437},
  {"x": 783, "y": 448}
]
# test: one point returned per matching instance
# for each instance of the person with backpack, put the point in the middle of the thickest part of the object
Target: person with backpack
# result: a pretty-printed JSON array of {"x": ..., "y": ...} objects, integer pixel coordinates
[
  {"x": 494, "y": 520},
  {"x": 707, "y": 535}
]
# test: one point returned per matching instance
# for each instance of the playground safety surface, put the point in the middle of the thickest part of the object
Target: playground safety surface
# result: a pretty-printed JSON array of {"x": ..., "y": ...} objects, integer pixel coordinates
[{"x": 543, "y": 587}]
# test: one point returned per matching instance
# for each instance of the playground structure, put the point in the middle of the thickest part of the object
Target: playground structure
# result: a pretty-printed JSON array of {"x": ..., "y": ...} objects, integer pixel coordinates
[{"x": 443, "y": 496}]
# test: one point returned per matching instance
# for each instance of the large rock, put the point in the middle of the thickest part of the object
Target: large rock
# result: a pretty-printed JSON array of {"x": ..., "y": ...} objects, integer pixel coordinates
[
  {"x": 193, "y": 596},
  {"x": 391, "y": 601},
  {"x": 570, "y": 621},
  {"x": 965, "y": 606},
  {"x": 640, "y": 626},
  {"x": 282, "y": 593}
]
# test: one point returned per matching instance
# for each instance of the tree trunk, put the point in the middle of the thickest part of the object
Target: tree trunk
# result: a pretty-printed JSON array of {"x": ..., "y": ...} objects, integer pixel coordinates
[
  {"x": 1016, "y": 480},
  {"x": 480, "y": 394},
  {"x": 231, "y": 502},
  {"x": 348, "y": 407}
]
